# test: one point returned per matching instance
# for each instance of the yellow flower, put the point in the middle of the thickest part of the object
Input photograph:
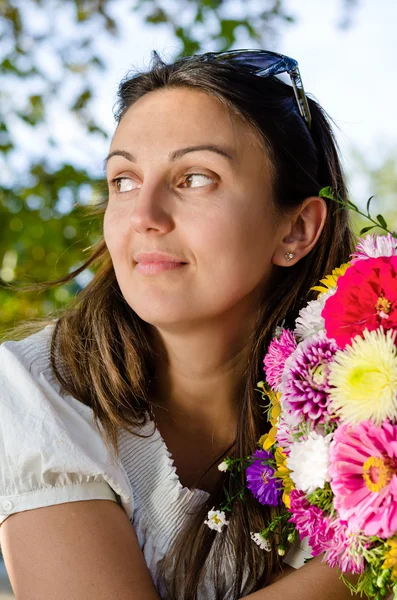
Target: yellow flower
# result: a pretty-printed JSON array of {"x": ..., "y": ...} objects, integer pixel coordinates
[
  {"x": 330, "y": 280},
  {"x": 267, "y": 440},
  {"x": 391, "y": 558},
  {"x": 363, "y": 377},
  {"x": 283, "y": 473}
]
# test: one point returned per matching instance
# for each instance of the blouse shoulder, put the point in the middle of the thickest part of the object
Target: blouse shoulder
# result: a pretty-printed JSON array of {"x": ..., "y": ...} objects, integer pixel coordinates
[{"x": 51, "y": 450}]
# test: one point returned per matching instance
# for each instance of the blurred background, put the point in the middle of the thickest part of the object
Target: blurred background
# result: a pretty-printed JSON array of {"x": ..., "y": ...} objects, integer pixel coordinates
[{"x": 60, "y": 65}]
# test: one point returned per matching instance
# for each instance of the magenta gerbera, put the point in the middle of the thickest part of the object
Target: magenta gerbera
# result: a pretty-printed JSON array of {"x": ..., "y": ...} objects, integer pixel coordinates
[
  {"x": 365, "y": 298},
  {"x": 278, "y": 352},
  {"x": 261, "y": 481},
  {"x": 363, "y": 476},
  {"x": 305, "y": 385}
]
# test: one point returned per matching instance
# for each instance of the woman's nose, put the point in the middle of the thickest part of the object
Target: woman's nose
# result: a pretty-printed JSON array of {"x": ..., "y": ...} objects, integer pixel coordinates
[{"x": 152, "y": 210}]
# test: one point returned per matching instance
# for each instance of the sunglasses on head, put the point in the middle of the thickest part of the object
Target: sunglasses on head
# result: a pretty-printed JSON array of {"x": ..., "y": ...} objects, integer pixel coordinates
[{"x": 264, "y": 64}]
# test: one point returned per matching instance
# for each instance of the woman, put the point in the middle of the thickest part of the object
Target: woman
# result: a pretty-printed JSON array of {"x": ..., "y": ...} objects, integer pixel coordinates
[{"x": 213, "y": 234}]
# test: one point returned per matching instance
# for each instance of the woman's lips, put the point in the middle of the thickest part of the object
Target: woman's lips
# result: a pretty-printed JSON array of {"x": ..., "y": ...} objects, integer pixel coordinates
[
  {"x": 151, "y": 263},
  {"x": 152, "y": 268}
]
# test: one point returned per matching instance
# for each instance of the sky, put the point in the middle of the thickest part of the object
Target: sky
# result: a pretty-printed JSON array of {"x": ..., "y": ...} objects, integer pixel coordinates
[{"x": 350, "y": 72}]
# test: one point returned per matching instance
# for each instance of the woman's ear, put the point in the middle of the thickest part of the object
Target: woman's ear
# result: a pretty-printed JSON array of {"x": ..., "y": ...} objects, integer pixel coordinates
[{"x": 300, "y": 231}]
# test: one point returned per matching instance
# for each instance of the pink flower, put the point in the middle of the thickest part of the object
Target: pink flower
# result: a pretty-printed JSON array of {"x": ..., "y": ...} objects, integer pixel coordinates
[
  {"x": 363, "y": 477},
  {"x": 308, "y": 519},
  {"x": 373, "y": 246},
  {"x": 365, "y": 298},
  {"x": 343, "y": 548},
  {"x": 278, "y": 352}
]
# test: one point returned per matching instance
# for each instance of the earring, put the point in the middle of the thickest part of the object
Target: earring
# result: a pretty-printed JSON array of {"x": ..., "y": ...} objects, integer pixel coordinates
[{"x": 288, "y": 256}]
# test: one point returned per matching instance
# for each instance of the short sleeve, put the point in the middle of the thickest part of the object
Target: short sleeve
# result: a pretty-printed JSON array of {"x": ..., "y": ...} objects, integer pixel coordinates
[
  {"x": 51, "y": 450},
  {"x": 297, "y": 555}
]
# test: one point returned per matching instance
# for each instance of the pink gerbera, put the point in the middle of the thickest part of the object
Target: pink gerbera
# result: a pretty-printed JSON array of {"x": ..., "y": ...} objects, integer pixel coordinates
[
  {"x": 365, "y": 298},
  {"x": 278, "y": 352},
  {"x": 363, "y": 477},
  {"x": 373, "y": 245}
]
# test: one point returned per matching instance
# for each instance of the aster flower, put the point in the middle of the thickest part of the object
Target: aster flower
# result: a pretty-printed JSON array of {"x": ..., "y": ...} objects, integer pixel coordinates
[
  {"x": 287, "y": 425},
  {"x": 261, "y": 481},
  {"x": 363, "y": 467},
  {"x": 274, "y": 361},
  {"x": 305, "y": 385},
  {"x": 343, "y": 547},
  {"x": 262, "y": 542},
  {"x": 216, "y": 519},
  {"x": 308, "y": 462},
  {"x": 308, "y": 519},
  {"x": 365, "y": 298},
  {"x": 373, "y": 246},
  {"x": 364, "y": 379},
  {"x": 310, "y": 322},
  {"x": 329, "y": 281}
]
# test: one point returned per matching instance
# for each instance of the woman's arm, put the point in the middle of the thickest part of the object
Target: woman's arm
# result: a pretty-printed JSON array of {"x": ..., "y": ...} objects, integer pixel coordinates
[
  {"x": 313, "y": 581},
  {"x": 84, "y": 549}
]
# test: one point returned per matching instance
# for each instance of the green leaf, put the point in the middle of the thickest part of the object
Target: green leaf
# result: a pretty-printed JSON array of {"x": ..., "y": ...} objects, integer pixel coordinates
[
  {"x": 82, "y": 100},
  {"x": 368, "y": 203},
  {"x": 381, "y": 221},
  {"x": 327, "y": 192},
  {"x": 366, "y": 229}
]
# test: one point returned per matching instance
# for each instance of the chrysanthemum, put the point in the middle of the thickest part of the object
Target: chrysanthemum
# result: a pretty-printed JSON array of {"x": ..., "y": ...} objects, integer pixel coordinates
[
  {"x": 305, "y": 383},
  {"x": 329, "y": 281},
  {"x": 261, "y": 481},
  {"x": 343, "y": 547},
  {"x": 261, "y": 541},
  {"x": 365, "y": 298},
  {"x": 363, "y": 477},
  {"x": 274, "y": 361},
  {"x": 308, "y": 519},
  {"x": 310, "y": 321},
  {"x": 364, "y": 379},
  {"x": 308, "y": 462},
  {"x": 287, "y": 424},
  {"x": 216, "y": 519},
  {"x": 373, "y": 246}
]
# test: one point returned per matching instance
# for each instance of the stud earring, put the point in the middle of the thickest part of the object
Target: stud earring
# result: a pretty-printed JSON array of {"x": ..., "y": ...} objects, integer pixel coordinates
[{"x": 288, "y": 256}]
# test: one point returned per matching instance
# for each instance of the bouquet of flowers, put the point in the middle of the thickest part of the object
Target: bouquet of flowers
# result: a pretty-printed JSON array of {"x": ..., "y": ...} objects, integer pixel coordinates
[{"x": 330, "y": 457}]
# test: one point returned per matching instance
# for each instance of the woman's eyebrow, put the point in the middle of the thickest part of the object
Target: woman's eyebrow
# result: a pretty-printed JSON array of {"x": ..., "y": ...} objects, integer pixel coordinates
[{"x": 229, "y": 154}]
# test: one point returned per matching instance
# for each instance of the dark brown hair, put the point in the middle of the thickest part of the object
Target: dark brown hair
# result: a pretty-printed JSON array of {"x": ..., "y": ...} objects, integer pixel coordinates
[{"x": 102, "y": 352}]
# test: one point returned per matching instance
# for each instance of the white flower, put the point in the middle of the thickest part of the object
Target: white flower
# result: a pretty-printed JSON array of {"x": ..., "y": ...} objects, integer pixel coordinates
[
  {"x": 373, "y": 246},
  {"x": 310, "y": 322},
  {"x": 309, "y": 461},
  {"x": 223, "y": 466},
  {"x": 261, "y": 541},
  {"x": 216, "y": 519}
]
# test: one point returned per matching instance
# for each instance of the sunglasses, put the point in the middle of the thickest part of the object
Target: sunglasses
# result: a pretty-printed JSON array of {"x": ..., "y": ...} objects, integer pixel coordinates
[{"x": 264, "y": 64}]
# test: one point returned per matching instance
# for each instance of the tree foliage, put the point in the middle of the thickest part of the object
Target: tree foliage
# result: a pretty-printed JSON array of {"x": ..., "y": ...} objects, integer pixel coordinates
[{"x": 49, "y": 53}]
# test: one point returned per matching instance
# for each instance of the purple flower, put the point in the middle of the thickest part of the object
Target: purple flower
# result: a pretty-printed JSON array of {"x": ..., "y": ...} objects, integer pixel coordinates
[
  {"x": 305, "y": 382},
  {"x": 278, "y": 352},
  {"x": 260, "y": 481}
]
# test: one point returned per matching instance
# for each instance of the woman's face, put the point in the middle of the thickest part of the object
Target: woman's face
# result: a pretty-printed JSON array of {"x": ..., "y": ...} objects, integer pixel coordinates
[{"x": 189, "y": 222}]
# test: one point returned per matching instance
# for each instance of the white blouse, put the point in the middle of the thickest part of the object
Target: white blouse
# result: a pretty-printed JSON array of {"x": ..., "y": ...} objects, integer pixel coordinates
[{"x": 52, "y": 452}]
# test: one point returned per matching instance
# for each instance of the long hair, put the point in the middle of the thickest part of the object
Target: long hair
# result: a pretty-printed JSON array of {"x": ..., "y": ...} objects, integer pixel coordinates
[{"x": 102, "y": 352}]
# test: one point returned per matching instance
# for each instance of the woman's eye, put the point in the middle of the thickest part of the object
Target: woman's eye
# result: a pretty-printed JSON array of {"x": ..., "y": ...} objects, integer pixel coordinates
[
  {"x": 123, "y": 184},
  {"x": 197, "y": 180}
]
